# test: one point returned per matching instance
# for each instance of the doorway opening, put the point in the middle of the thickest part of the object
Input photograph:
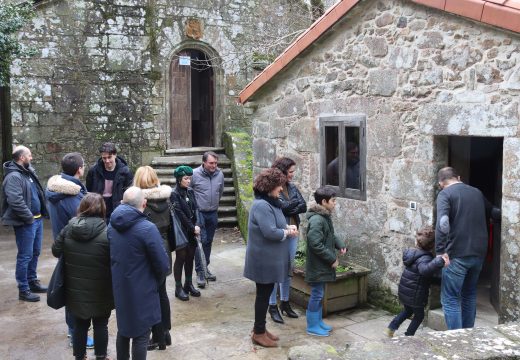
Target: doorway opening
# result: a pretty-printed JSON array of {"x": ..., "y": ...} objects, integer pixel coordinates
[
  {"x": 478, "y": 160},
  {"x": 191, "y": 100}
]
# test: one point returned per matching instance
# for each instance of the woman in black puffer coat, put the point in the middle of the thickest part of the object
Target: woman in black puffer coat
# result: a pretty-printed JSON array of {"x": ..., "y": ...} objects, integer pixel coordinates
[
  {"x": 158, "y": 211},
  {"x": 414, "y": 286},
  {"x": 186, "y": 209},
  {"x": 88, "y": 280}
]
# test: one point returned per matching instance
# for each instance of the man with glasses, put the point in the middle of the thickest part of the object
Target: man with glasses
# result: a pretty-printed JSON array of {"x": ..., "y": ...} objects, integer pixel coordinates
[{"x": 208, "y": 184}]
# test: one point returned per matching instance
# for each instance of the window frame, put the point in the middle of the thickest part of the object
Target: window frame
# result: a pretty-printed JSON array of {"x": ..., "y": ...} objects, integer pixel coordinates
[{"x": 342, "y": 122}]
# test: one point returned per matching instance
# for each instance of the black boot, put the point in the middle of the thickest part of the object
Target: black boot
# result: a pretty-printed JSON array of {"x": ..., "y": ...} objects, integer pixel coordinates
[
  {"x": 285, "y": 307},
  {"x": 167, "y": 338},
  {"x": 190, "y": 289},
  {"x": 180, "y": 294},
  {"x": 275, "y": 314}
]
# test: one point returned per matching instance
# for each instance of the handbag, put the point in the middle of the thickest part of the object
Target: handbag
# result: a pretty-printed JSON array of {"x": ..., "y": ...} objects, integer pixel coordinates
[
  {"x": 179, "y": 238},
  {"x": 56, "y": 287}
]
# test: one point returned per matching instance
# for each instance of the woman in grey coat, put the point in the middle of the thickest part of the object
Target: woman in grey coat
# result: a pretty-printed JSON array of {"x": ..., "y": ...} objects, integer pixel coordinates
[{"x": 267, "y": 253}]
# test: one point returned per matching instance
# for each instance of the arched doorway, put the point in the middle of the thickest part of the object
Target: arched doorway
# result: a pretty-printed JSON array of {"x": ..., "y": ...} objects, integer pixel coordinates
[{"x": 192, "y": 93}]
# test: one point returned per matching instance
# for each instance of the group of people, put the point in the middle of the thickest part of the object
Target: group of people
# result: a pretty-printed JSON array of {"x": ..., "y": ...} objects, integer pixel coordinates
[{"x": 116, "y": 237}]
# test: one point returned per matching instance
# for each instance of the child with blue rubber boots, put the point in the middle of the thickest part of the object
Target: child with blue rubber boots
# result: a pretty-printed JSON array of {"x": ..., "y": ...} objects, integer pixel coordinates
[{"x": 321, "y": 262}]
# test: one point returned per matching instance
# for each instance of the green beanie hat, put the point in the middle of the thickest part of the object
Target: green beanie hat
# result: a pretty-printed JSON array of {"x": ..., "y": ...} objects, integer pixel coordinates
[{"x": 182, "y": 170}]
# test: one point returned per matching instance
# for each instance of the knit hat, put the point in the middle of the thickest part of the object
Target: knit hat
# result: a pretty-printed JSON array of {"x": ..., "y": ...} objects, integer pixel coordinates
[{"x": 182, "y": 170}]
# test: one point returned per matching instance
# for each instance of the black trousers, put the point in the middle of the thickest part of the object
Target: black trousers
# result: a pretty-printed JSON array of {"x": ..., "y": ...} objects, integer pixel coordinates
[
  {"x": 184, "y": 258},
  {"x": 139, "y": 346},
  {"x": 418, "y": 316},
  {"x": 79, "y": 336},
  {"x": 263, "y": 292},
  {"x": 159, "y": 329}
]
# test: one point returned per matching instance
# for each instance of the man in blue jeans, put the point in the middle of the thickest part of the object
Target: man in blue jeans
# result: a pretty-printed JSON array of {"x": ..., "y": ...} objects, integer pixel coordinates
[
  {"x": 23, "y": 208},
  {"x": 208, "y": 184},
  {"x": 461, "y": 233}
]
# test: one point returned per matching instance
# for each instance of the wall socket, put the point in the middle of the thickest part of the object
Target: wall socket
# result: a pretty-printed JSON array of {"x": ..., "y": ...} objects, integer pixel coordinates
[{"x": 413, "y": 205}]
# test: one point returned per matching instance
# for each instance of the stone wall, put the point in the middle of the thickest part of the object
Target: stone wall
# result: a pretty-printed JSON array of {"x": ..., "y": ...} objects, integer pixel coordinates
[
  {"x": 418, "y": 74},
  {"x": 102, "y": 67}
]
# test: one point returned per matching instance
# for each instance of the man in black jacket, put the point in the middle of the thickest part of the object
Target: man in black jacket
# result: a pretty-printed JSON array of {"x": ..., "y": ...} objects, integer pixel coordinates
[
  {"x": 461, "y": 233},
  {"x": 23, "y": 207},
  {"x": 110, "y": 177}
]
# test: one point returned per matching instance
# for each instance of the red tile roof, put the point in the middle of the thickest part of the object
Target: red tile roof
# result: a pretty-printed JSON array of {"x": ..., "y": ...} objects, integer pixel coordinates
[{"x": 501, "y": 13}]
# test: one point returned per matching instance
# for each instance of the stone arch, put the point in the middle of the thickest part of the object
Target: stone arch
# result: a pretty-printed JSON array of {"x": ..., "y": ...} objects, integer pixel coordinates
[{"x": 218, "y": 85}]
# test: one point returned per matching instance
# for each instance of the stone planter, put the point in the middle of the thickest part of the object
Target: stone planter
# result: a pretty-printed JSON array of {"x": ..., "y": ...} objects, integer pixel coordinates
[{"x": 348, "y": 291}]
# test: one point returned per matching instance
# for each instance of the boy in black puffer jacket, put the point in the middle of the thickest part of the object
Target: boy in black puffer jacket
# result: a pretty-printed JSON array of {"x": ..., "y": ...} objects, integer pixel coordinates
[{"x": 414, "y": 287}]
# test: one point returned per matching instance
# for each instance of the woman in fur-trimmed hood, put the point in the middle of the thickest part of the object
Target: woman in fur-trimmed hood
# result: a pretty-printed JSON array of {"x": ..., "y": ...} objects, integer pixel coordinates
[{"x": 158, "y": 212}]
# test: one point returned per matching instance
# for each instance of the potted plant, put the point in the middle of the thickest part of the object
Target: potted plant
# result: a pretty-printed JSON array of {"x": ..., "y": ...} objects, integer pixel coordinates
[{"x": 348, "y": 291}]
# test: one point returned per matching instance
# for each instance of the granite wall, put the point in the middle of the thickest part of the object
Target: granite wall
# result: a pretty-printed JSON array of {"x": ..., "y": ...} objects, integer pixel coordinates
[
  {"x": 101, "y": 72},
  {"x": 419, "y": 75}
]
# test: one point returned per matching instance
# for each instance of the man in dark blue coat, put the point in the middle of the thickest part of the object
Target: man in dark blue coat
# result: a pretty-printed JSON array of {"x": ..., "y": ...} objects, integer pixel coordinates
[
  {"x": 64, "y": 193},
  {"x": 139, "y": 264}
]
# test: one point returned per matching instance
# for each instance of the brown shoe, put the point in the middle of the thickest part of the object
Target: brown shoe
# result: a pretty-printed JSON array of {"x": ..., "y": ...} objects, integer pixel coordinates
[
  {"x": 263, "y": 340},
  {"x": 269, "y": 335}
]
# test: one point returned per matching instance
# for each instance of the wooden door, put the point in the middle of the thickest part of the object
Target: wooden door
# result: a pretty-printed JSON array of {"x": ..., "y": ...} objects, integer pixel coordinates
[{"x": 180, "y": 103}]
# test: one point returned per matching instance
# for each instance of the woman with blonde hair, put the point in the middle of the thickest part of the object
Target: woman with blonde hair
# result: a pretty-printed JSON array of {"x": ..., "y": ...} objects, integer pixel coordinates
[{"x": 158, "y": 211}]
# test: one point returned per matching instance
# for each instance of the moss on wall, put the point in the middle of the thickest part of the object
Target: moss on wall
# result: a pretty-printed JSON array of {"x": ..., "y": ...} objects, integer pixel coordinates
[
  {"x": 239, "y": 149},
  {"x": 383, "y": 298}
]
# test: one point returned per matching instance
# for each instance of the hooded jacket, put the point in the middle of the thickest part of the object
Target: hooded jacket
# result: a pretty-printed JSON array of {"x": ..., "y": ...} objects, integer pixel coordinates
[
  {"x": 84, "y": 246},
  {"x": 63, "y": 194},
  {"x": 16, "y": 199},
  {"x": 420, "y": 267},
  {"x": 122, "y": 180},
  {"x": 139, "y": 264},
  {"x": 158, "y": 212},
  {"x": 321, "y": 245}
]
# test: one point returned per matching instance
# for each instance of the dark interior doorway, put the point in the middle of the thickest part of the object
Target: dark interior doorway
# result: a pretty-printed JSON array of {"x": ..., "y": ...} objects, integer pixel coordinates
[
  {"x": 479, "y": 163},
  {"x": 191, "y": 100}
]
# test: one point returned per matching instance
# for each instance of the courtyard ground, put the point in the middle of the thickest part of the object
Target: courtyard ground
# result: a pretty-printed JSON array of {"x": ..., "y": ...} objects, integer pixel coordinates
[{"x": 215, "y": 326}]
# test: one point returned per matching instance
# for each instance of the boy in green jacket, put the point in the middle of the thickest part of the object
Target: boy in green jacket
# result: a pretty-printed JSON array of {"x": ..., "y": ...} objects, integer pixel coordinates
[{"x": 321, "y": 261}]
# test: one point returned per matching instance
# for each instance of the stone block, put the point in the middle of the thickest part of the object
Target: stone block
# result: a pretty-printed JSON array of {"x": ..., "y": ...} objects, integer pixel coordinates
[
  {"x": 410, "y": 180},
  {"x": 403, "y": 57},
  {"x": 304, "y": 135},
  {"x": 430, "y": 40},
  {"x": 385, "y": 19},
  {"x": 264, "y": 152},
  {"x": 292, "y": 105},
  {"x": 377, "y": 46},
  {"x": 383, "y": 135},
  {"x": 382, "y": 82}
]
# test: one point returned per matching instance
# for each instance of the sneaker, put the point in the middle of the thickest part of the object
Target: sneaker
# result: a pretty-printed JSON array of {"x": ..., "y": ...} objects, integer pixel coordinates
[
  {"x": 90, "y": 342},
  {"x": 27, "y": 295},
  {"x": 201, "y": 280},
  {"x": 211, "y": 277},
  {"x": 36, "y": 287},
  {"x": 389, "y": 332}
]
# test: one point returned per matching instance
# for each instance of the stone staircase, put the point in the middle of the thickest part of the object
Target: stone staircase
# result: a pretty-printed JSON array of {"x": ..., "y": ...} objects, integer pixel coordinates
[{"x": 166, "y": 164}]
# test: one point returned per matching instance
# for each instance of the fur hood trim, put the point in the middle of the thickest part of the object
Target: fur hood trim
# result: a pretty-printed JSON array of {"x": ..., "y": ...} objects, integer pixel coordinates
[
  {"x": 318, "y": 209},
  {"x": 60, "y": 185},
  {"x": 161, "y": 192}
]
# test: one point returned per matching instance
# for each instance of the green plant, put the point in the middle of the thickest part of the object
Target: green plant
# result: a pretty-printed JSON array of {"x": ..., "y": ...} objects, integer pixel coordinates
[
  {"x": 12, "y": 18},
  {"x": 299, "y": 262}
]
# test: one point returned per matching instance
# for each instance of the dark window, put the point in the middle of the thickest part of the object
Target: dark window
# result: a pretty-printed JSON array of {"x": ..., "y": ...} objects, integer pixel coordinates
[{"x": 343, "y": 154}]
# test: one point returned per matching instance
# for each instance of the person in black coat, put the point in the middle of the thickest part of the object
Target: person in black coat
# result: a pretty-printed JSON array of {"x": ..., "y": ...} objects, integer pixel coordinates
[
  {"x": 186, "y": 209},
  {"x": 414, "y": 286},
  {"x": 109, "y": 177},
  {"x": 88, "y": 287},
  {"x": 292, "y": 205}
]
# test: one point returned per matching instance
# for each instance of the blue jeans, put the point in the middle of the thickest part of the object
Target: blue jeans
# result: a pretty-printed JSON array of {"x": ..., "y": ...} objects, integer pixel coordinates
[
  {"x": 459, "y": 291},
  {"x": 29, "y": 243},
  {"x": 418, "y": 316},
  {"x": 286, "y": 285},
  {"x": 317, "y": 291},
  {"x": 207, "y": 232}
]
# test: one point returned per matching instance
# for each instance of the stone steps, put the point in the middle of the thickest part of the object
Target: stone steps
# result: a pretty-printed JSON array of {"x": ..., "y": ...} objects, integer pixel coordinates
[{"x": 166, "y": 164}]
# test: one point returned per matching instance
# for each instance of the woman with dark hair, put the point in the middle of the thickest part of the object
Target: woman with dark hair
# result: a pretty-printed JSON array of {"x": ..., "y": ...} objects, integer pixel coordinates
[
  {"x": 88, "y": 281},
  {"x": 158, "y": 211},
  {"x": 267, "y": 253},
  {"x": 293, "y": 205},
  {"x": 183, "y": 199}
]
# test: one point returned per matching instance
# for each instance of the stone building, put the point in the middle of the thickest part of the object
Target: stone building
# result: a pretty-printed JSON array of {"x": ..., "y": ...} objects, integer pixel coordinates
[
  {"x": 407, "y": 87},
  {"x": 146, "y": 74}
]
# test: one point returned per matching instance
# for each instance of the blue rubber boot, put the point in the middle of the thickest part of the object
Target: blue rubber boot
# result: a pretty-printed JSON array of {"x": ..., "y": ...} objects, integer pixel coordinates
[
  {"x": 313, "y": 324},
  {"x": 90, "y": 342},
  {"x": 322, "y": 324}
]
